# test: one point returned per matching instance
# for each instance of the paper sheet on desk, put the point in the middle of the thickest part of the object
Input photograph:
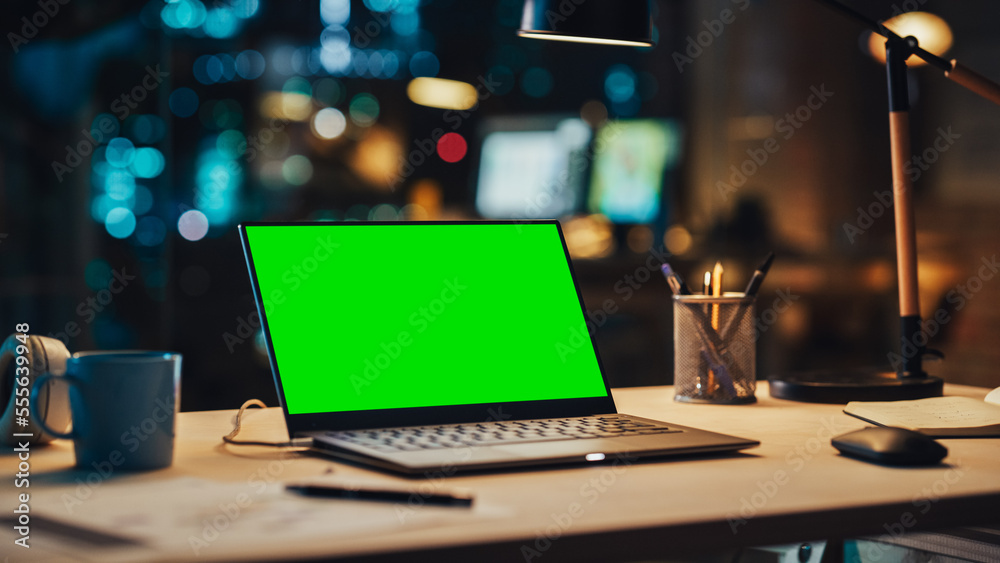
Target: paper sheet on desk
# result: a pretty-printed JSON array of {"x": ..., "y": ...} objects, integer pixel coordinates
[{"x": 199, "y": 514}]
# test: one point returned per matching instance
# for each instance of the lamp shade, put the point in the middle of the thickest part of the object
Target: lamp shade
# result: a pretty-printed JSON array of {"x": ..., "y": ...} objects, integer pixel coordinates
[{"x": 608, "y": 22}]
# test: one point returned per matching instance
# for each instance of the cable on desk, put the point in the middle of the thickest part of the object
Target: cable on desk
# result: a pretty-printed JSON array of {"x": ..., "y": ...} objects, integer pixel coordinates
[{"x": 229, "y": 438}]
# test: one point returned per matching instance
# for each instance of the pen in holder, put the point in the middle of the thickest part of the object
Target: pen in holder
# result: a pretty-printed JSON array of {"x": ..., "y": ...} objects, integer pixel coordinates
[{"x": 714, "y": 349}]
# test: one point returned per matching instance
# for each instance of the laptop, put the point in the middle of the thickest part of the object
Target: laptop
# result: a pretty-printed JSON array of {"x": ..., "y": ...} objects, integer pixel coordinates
[{"x": 423, "y": 347}]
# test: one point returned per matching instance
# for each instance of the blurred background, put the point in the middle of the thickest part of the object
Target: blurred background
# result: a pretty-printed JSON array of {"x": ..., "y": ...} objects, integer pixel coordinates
[{"x": 136, "y": 135}]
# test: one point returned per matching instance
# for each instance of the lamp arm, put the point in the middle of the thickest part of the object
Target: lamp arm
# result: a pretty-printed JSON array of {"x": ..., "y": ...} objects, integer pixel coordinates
[
  {"x": 974, "y": 81},
  {"x": 957, "y": 72}
]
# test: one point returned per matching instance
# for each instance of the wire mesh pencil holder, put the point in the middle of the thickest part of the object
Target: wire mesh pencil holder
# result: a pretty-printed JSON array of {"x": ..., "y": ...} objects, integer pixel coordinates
[{"x": 715, "y": 349}]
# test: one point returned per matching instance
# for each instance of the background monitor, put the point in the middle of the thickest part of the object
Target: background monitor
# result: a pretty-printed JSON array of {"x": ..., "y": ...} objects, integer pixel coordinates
[
  {"x": 531, "y": 167},
  {"x": 631, "y": 161}
]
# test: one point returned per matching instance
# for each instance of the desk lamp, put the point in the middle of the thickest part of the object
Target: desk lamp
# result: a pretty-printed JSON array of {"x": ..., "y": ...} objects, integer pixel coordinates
[{"x": 629, "y": 22}]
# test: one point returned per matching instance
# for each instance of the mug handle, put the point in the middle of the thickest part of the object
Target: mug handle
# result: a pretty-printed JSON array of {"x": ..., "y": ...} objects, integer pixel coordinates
[{"x": 33, "y": 403}]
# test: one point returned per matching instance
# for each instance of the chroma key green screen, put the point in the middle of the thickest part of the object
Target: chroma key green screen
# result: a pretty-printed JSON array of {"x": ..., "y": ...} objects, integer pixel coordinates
[{"x": 368, "y": 316}]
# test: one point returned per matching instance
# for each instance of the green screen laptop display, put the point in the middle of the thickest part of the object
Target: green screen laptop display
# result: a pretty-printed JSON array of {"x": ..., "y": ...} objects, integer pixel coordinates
[{"x": 368, "y": 316}]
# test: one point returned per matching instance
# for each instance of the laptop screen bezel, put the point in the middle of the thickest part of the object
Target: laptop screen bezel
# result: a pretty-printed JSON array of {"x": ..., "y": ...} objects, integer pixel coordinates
[{"x": 421, "y": 416}]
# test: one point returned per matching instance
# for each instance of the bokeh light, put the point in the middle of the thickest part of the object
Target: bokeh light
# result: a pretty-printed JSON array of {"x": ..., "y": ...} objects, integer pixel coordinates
[
  {"x": 424, "y": 63},
  {"x": 142, "y": 200},
  {"x": 359, "y": 60},
  {"x": 97, "y": 274},
  {"x": 228, "y": 64},
  {"x": 594, "y": 112},
  {"x": 120, "y": 222},
  {"x": 502, "y": 79},
  {"x": 250, "y": 64},
  {"x": 390, "y": 64},
  {"x": 119, "y": 185},
  {"x": 100, "y": 206},
  {"x": 183, "y": 14},
  {"x": 221, "y": 23},
  {"x": 932, "y": 33},
  {"x": 218, "y": 180},
  {"x": 328, "y": 91},
  {"x": 442, "y": 93},
  {"x": 619, "y": 83},
  {"x": 405, "y": 24},
  {"x": 335, "y": 12},
  {"x": 183, "y": 102},
  {"x": 384, "y": 212},
  {"x": 297, "y": 170},
  {"x": 202, "y": 73},
  {"x": 357, "y": 212},
  {"x": 193, "y": 225},
  {"x": 329, "y": 123},
  {"x": 451, "y": 147},
  {"x": 222, "y": 114},
  {"x": 150, "y": 231},
  {"x": 145, "y": 129},
  {"x": 364, "y": 110},
  {"x": 231, "y": 144},
  {"x": 120, "y": 152},
  {"x": 678, "y": 240},
  {"x": 536, "y": 82},
  {"x": 147, "y": 163},
  {"x": 245, "y": 9}
]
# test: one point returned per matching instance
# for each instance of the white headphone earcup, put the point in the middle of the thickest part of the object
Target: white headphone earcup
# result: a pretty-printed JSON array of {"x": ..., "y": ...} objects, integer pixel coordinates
[{"x": 44, "y": 355}]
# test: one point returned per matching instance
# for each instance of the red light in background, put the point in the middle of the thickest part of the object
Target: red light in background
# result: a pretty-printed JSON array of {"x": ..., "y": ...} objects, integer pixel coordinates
[{"x": 451, "y": 147}]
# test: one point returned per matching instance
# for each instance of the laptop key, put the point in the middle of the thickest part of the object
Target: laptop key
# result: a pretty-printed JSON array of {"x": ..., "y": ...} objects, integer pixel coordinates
[{"x": 507, "y": 432}]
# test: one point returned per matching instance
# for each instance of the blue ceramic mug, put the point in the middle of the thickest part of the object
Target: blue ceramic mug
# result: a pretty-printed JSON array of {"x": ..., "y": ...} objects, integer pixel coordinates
[{"x": 123, "y": 406}]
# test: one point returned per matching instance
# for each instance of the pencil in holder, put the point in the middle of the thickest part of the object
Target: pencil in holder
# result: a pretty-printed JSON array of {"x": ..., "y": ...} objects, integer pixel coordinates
[{"x": 715, "y": 349}]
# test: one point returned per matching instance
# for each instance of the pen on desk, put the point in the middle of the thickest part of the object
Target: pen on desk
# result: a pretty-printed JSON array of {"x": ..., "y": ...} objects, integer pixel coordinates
[
  {"x": 385, "y": 495},
  {"x": 676, "y": 282}
]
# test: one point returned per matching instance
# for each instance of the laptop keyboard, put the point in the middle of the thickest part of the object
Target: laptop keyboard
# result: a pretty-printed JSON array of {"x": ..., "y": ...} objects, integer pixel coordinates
[{"x": 411, "y": 438}]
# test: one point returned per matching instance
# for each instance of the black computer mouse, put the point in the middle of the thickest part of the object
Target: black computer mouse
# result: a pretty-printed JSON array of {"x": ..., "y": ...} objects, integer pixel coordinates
[{"x": 891, "y": 446}]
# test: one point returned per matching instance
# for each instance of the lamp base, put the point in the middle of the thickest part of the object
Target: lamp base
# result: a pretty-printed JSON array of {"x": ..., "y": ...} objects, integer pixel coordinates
[{"x": 843, "y": 386}]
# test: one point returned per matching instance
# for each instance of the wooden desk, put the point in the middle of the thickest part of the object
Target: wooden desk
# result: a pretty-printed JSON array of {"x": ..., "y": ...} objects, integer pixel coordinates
[{"x": 794, "y": 487}]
